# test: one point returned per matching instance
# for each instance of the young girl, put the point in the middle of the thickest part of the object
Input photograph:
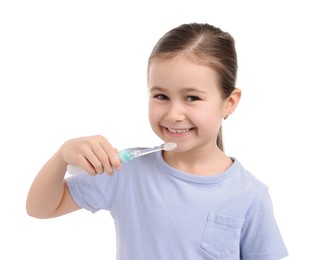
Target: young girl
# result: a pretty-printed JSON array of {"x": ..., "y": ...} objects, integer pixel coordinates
[{"x": 193, "y": 202}]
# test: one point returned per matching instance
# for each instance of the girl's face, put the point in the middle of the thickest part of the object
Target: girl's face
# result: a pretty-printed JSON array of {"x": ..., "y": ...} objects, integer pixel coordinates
[{"x": 185, "y": 103}]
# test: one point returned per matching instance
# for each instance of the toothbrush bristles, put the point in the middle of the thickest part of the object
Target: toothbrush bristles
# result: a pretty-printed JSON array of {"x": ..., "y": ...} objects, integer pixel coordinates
[{"x": 169, "y": 146}]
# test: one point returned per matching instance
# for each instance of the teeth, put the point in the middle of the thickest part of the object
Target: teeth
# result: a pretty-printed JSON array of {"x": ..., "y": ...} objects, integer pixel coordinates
[{"x": 178, "y": 131}]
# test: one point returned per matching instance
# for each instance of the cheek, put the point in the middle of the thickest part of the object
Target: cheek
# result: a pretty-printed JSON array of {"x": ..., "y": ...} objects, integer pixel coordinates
[
  {"x": 204, "y": 113},
  {"x": 153, "y": 114},
  {"x": 208, "y": 118}
]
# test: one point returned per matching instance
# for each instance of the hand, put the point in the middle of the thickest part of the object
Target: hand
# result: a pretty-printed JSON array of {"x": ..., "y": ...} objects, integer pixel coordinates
[{"x": 94, "y": 154}]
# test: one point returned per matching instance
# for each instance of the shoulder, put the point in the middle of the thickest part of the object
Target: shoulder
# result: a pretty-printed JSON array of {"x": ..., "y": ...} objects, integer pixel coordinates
[
  {"x": 248, "y": 181},
  {"x": 250, "y": 191}
]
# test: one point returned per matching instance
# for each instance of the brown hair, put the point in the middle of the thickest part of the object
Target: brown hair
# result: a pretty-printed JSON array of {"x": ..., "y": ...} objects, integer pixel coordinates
[{"x": 210, "y": 46}]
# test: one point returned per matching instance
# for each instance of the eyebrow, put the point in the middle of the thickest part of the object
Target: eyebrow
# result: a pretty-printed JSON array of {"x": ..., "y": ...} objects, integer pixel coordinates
[{"x": 156, "y": 88}]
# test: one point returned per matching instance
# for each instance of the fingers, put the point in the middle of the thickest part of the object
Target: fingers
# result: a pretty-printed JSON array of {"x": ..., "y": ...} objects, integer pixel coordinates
[
  {"x": 104, "y": 157},
  {"x": 112, "y": 154},
  {"x": 94, "y": 154}
]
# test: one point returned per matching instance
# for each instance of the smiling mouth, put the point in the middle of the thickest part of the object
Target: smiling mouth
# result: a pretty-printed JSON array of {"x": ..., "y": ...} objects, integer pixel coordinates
[{"x": 179, "y": 131}]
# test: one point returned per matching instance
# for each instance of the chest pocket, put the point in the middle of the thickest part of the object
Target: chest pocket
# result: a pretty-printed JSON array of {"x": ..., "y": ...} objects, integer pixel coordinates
[{"x": 222, "y": 236}]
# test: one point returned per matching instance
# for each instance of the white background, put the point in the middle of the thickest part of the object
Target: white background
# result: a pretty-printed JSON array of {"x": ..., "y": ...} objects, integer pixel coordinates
[{"x": 74, "y": 68}]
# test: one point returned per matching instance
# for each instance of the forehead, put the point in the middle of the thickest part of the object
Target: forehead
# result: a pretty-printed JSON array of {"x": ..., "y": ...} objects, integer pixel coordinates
[{"x": 180, "y": 70}]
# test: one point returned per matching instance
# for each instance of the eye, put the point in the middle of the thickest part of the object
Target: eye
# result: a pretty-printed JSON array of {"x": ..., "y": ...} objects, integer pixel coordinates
[
  {"x": 192, "y": 98},
  {"x": 161, "y": 97}
]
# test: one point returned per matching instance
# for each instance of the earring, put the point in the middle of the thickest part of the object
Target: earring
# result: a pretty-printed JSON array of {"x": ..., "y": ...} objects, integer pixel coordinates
[{"x": 225, "y": 117}]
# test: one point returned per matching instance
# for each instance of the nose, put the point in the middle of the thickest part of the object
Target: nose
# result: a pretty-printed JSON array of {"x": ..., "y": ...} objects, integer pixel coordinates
[{"x": 175, "y": 113}]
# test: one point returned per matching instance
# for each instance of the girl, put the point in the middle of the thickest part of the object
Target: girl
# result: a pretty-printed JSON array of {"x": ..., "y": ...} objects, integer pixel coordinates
[{"x": 194, "y": 202}]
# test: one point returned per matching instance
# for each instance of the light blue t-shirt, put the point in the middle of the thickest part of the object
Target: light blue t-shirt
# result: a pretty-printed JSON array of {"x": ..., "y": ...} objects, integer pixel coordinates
[{"x": 161, "y": 213}]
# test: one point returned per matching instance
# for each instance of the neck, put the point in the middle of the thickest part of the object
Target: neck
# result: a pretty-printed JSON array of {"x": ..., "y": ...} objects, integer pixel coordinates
[{"x": 207, "y": 162}]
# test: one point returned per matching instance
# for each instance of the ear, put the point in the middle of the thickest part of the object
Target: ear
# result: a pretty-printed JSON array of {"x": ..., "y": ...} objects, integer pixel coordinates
[{"x": 231, "y": 102}]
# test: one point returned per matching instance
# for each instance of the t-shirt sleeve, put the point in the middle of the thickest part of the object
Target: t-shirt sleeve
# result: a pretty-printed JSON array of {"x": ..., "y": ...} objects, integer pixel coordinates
[
  {"x": 92, "y": 192},
  {"x": 261, "y": 238}
]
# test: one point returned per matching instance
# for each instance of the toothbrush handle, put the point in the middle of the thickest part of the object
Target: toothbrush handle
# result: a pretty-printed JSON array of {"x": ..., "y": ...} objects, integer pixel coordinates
[
  {"x": 124, "y": 156},
  {"x": 72, "y": 169}
]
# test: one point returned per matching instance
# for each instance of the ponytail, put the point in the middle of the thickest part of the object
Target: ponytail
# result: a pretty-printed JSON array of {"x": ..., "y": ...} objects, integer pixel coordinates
[{"x": 219, "y": 140}]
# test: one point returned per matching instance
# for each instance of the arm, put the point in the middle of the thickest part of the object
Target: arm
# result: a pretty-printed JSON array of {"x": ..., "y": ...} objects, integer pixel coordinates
[{"x": 48, "y": 195}]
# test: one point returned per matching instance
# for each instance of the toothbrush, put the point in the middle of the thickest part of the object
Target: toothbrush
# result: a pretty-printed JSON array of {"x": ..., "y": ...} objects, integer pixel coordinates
[{"x": 129, "y": 155}]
